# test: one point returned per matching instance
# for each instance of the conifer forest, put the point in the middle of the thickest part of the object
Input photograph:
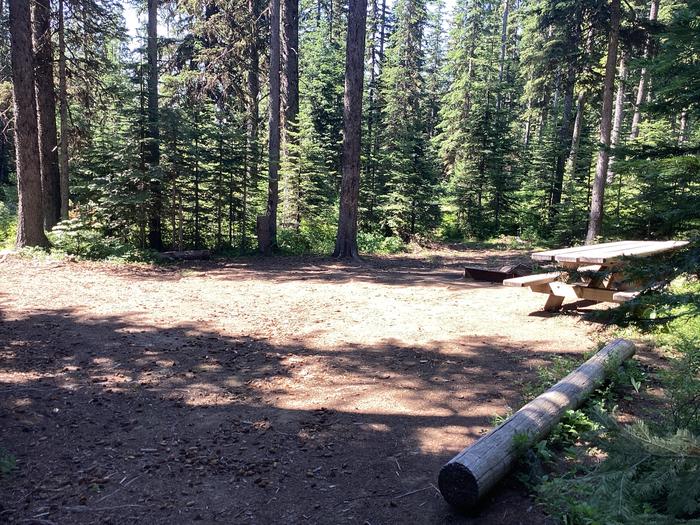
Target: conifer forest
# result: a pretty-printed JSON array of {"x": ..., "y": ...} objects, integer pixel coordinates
[{"x": 176, "y": 124}]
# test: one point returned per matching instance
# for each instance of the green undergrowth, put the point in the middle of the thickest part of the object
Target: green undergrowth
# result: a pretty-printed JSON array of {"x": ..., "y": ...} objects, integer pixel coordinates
[
  {"x": 592, "y": 469},
  {"x": 318, "y": 238},
  {"x": 8, "y": 216}
]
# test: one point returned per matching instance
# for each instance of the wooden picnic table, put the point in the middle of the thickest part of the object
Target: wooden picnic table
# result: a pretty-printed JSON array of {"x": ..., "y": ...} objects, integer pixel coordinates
[{"x": 605, "y": 258}]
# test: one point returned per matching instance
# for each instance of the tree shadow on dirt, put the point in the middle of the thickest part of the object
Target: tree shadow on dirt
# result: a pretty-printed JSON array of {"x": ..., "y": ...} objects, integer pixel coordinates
[
  {"x": 403, "y": 270},
  {"x": 113, "y": 420}
]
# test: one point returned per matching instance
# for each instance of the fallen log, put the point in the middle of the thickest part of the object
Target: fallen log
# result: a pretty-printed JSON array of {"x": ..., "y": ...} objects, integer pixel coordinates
[
  {"x": 465, "y": 479},
  {"x": 185, "y": 255}
]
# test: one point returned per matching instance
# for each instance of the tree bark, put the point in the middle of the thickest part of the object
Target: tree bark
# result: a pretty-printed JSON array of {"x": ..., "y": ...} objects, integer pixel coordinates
[
  {"x": 576, "y": 136},
  {"x": 4, "y": 154},
  {"x": 641, "y": 89},
  {"x": 289, "y": 96},
  {"x": 595, "y": 220},
  {"x": 250, "y": 174},
  {"x": 46, "y": 112},
  {"x": 619, "y": 111},
  {"x": 63, "y": 104},
  {"x": 683, "y": 128},
  {"x": 502, "y": 56},
  {"x": 30, "y": 213},
  {"x": 155, "y": 235},
  {"x": 4, "y": 124},
  {"x": 274, "y": 127},
  {"x": 564, "y": 140},
  {"x": 346, "y": 240}
]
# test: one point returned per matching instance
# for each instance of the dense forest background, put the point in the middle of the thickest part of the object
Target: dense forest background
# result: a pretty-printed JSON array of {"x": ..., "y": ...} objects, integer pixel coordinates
[{"x": 481, "y": 120}]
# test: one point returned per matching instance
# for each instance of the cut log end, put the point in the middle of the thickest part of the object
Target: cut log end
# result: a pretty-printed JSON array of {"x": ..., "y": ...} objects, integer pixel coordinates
[{"x": 458, "y": 486}]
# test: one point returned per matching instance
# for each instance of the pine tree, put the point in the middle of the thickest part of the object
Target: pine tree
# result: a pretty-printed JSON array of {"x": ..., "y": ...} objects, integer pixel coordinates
[
  {"x": 411, "y": 202},
  {"x": 30, "y": 224}
]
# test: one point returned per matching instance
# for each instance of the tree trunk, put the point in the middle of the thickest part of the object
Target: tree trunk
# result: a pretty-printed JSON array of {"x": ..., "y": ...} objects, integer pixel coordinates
[
  {"x": 4, "y": 154},
  {"x": 502, "y": 56},
  {"x": 595, "y": 221},
  {"x": 250, "y": 175},
  {"x": 683, "y": 128},
  {"x": 46, "y": 112},
  {"x": 289, "y": 97},
  {"x": 63, "y": 102},
  {"x": 576, "y": 136},
  {"x": 30, "y": 213},
  {"x": 346, "y": 240},
  {"x": 155, "y": 236},
  {"x": 641, "y": 90},
  {"x": 565, "y": 133},
  {"x": 619, "y": 110},
  {"x": 274, "y": 126},
  {"x": 4, "y": 137}
]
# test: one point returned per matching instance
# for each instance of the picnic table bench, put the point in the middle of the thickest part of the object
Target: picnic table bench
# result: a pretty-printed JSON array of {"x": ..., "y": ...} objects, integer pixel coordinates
[{"x": 605, "y": 258}]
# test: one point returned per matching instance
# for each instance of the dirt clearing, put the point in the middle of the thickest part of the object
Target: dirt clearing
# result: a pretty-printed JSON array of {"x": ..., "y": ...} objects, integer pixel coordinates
[{"x": 286, "y": 390}]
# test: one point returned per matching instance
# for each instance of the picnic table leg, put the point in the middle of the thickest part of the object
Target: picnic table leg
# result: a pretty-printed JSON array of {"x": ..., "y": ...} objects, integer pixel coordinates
[{"x": 553, "y": 303}]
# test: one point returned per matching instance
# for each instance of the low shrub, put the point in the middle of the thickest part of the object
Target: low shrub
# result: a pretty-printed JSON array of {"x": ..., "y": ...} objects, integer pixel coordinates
[{"x": 77, "y": 237}]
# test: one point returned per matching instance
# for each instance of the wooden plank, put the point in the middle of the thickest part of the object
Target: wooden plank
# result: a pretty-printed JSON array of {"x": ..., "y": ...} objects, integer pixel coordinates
[
  {"x": 553, "y": 303},
  {"x": 530, "y": 280},
  {"x": 641, "y": 251},
  {"x": 467, "y": 477},
  {"x": 550, "y": 255},
  {"x": 597, "y": 251},
  {"x": 579, "y": 291}
]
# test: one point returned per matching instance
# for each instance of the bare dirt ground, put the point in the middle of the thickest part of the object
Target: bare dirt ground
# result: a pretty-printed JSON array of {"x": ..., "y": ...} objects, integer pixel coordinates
[{"x": 285, "y": 390}]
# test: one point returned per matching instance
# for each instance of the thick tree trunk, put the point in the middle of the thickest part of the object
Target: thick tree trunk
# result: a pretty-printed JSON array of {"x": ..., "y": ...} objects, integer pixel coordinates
[
  {"x": 642, "y": 88},
  {"x": 155, "y": 235},
  {"x": 619, "y": 111},
  {"x": 346, "y": 240},
  {"x": 595, "y": 220},
  {"x": 46, "y": 112},
  {"x": 63, "y": 102},
  {"x": 30, "y": 213},
  {"x": 274, "y": 127},
  {"x": 290, "y": 99},
  {"x": 250, "y": 175}
]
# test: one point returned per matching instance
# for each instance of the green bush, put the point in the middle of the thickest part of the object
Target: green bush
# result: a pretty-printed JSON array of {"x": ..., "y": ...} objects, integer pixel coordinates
[
  {"x": 8, "y": 217},
  {"x": 77, "y": 237},
  {"x": 372, "y": 242},
  {"x": 646, "y": 478},
  {"x": 318, "y": 238}
]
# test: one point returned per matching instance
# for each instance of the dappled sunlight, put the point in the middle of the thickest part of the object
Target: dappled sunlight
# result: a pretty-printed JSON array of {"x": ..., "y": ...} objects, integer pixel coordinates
[{"x": 259, "y": 384}]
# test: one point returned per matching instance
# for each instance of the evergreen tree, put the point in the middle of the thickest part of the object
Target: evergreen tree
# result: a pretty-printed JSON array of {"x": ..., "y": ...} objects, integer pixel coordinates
[{"x": 412, "y": 175}]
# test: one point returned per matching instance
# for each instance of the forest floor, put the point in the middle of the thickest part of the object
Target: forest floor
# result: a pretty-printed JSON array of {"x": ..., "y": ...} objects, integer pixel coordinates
[{"x": 281, "y": 390}]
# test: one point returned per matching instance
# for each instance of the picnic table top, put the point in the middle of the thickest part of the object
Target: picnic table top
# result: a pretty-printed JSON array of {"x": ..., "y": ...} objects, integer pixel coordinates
[{"x": 607, "y": 252}]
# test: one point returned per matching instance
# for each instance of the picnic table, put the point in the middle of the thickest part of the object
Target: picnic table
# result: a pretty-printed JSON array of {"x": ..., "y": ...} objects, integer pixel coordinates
[{"x": 604, "y": 259}]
